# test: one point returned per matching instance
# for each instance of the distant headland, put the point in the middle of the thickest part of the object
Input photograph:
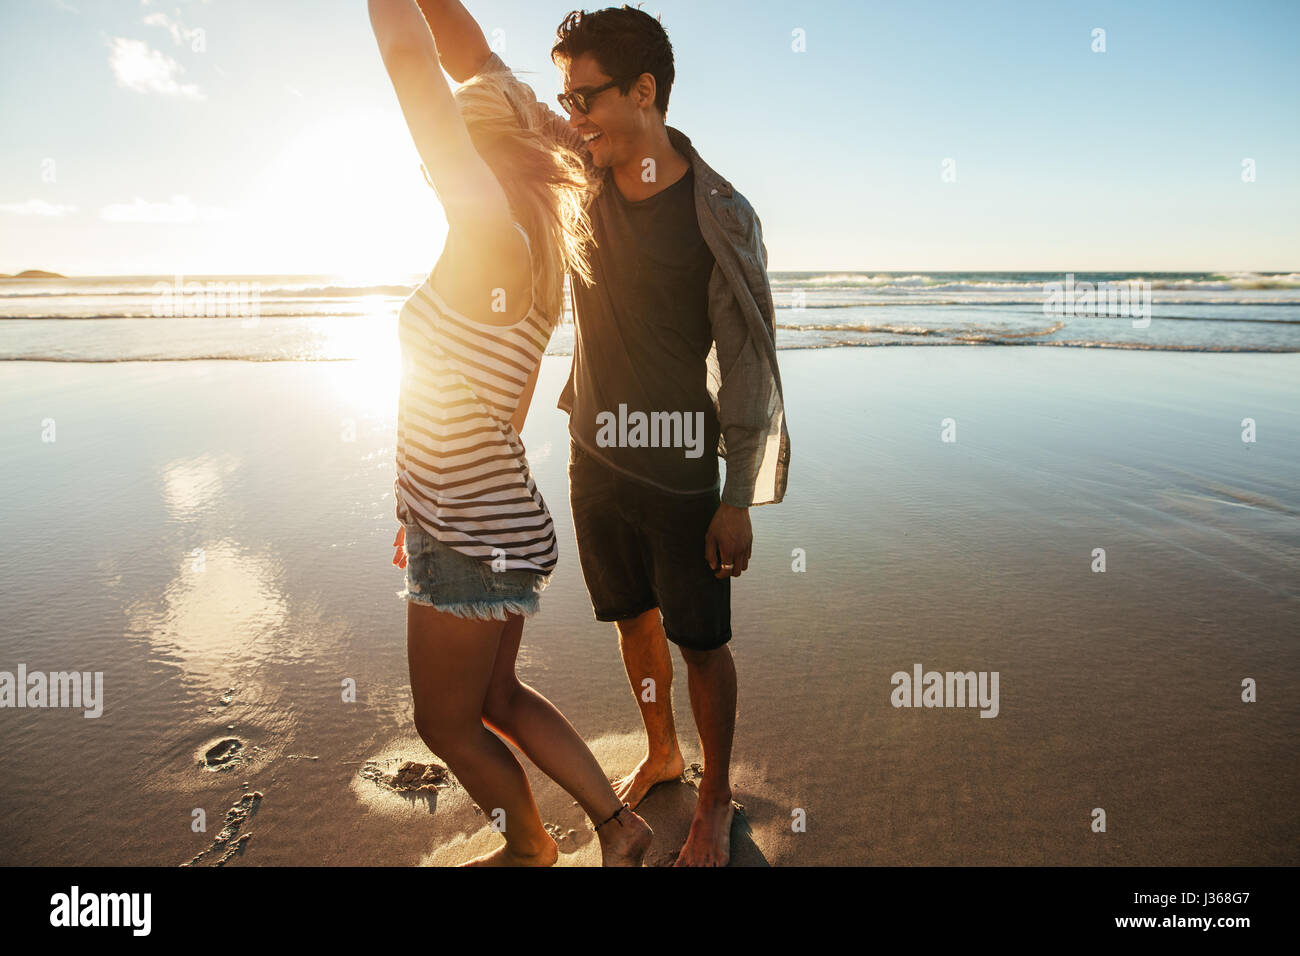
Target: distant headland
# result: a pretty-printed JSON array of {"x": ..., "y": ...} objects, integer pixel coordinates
[{"x": 34, "y": 274}]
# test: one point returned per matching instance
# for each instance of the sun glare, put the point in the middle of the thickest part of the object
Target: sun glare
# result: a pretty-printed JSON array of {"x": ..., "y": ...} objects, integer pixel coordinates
[
  {"x": 346, "y": 197},
  {"x": 372, "y": 380}
]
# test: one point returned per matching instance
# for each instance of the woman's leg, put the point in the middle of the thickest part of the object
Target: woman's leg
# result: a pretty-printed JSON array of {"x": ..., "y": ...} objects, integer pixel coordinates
[
  {"x": 535, "y": 726},
  {"x": 451, "y": 660}
]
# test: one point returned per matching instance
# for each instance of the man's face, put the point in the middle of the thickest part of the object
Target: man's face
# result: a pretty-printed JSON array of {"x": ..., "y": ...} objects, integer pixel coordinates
[{"x": 614, "y": 123}]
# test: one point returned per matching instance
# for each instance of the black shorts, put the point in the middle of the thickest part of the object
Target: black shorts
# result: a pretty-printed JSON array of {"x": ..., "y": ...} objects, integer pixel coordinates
[{"x": 641, "y": 548}]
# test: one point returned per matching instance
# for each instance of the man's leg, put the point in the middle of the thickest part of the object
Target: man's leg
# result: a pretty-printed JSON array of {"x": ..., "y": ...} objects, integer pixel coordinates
[
  {"x": 613, "y": 566},
  {"x": 646, "y": 658},
  {"x": 696, "y": 608},
  {"x": 711, "y": 676}
]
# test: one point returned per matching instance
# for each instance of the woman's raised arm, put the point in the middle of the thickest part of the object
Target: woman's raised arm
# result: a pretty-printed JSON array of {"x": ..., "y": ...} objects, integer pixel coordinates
[
  {"x": 470, "y": 195},
  {"x": 461, "y": 45},
  {"x": 464, "y": 52}
]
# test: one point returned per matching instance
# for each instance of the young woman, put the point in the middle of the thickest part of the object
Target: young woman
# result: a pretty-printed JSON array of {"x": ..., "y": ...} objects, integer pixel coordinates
[{"x": 477, "y": 541}]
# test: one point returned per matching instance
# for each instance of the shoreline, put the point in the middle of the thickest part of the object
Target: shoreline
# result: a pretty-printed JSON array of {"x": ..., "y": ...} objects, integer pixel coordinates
[{"x": 1101, "y": 346}]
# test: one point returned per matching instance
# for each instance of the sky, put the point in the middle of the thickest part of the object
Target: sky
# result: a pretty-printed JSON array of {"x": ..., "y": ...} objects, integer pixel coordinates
[{"x": 255, "y": 137}]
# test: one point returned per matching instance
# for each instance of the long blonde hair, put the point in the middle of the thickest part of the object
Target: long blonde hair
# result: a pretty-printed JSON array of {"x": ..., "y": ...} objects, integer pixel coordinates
[{"x": 544, "y": 180}]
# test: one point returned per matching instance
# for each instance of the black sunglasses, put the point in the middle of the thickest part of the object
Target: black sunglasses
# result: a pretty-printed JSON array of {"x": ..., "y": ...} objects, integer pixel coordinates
[{"x": 580, "y": 99}]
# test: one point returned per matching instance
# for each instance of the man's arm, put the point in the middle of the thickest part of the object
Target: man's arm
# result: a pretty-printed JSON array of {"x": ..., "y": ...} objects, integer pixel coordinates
[
  {"x": 729, "y": 541},
  {"x": 462, "y": 48},
  {"x": 746, "y": 391}
]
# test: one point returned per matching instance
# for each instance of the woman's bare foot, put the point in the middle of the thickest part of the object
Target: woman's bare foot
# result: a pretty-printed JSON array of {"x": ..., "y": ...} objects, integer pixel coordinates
[
  {"x": 624, "y": 845},
  {"x": 504, "y": 856},
  {"x": 649, "y": 772}
]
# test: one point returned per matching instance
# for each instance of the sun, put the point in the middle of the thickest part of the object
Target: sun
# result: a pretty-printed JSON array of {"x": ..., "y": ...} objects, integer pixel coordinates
[{"x": 346, "y": 197}]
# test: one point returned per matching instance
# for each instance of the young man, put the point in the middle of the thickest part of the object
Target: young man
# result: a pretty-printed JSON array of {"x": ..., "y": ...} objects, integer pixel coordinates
[{"x": 674, "y": 364}]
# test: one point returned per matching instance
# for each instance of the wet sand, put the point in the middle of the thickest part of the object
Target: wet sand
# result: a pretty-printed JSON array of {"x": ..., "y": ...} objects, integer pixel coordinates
[{"x": 215, "y": 537}]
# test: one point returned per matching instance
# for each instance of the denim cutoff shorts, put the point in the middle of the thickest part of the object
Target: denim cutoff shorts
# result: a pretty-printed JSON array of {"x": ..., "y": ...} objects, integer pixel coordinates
[{"x": 441, "y": 577}]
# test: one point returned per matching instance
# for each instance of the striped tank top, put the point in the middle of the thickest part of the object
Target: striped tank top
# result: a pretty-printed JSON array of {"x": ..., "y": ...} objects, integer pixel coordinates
[{"x": 461, "y": 470}]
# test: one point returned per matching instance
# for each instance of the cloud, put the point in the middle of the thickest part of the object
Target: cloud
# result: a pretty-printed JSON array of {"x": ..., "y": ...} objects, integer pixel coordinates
[
  {"x": 180, "y": 33},
  {"x": 173, "y": 27},
  {"x": 36, "y": 207},
  {"x": 145, "y": 70},
  {"x": 177, "y": 209}
]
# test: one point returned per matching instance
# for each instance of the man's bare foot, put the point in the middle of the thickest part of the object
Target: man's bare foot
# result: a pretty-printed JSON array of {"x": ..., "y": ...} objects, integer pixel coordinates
[
  {"x": 504, "y": 856},
  {"x": 624, "y": 845},
  {"x": 650, "y": 771},
  {"x": 709, "y": 842}
]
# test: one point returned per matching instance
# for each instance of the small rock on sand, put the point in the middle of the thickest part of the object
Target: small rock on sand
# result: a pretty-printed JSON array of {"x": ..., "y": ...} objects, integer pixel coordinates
[{"x": 411, "y": 777}]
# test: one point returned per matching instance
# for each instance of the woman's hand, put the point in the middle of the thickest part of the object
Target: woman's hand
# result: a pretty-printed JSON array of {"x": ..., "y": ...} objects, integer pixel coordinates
[
  {"x": 462, "y": 48},
  {"x": 399, "y": 543}
]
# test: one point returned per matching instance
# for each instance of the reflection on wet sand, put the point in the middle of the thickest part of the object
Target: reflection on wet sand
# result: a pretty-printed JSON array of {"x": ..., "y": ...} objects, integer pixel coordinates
[
  {"x": 219, "y": 606},
  {"x": 191, "y": 486}
]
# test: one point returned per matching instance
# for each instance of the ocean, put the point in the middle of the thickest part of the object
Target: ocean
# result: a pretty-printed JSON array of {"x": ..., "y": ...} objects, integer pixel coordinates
[{"x": 321, "y": 318}]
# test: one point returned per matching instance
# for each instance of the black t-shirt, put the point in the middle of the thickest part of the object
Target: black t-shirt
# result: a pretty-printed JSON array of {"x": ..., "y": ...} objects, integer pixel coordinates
[{"x": 637, "y": 396}]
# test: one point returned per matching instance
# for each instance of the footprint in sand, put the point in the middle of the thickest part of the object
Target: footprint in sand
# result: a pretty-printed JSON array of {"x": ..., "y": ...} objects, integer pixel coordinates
[
  {"x": 566, "y": 839},
  {"x": 223, "y": 754},
  {"x": 229, "y": 839}
]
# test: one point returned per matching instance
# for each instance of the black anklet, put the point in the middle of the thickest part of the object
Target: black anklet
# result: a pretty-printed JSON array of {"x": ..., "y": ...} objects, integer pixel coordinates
[{"x": 613, "y": 816}]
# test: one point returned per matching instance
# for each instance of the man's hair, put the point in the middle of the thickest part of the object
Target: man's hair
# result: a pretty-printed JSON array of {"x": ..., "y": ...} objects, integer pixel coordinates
[{"x": 625, "y": 42}]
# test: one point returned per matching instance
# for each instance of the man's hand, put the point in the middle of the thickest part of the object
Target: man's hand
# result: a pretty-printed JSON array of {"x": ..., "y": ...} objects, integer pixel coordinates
[
  {"x": 729, "y": 541},
  {"x": 399, "y": 543}
]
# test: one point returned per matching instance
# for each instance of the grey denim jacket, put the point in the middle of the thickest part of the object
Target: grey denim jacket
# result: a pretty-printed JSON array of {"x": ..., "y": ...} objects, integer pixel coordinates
[{"x": 744, "y": 380}]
